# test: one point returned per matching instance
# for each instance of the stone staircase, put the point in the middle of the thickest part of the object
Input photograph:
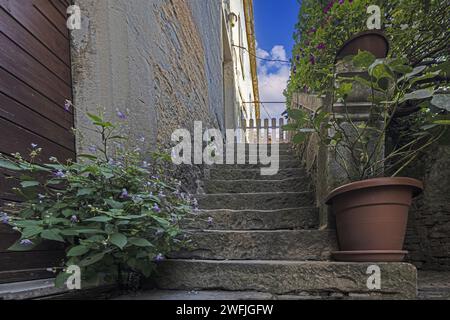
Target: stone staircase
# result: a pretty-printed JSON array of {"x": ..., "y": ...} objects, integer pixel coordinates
[{"x": 265, "y": 241}]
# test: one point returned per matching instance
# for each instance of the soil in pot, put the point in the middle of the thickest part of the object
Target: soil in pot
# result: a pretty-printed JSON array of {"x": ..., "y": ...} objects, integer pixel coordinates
[{"x": 371, "y": 218}]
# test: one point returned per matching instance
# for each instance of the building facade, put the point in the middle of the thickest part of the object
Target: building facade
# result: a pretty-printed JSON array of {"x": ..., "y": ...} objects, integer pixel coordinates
[{"x": 165, "y": 64}]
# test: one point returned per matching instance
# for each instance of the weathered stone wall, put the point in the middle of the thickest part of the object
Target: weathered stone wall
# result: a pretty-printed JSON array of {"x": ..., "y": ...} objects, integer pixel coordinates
[
  {"x": 428, "y": 235},
  {"x": 157, "y": 60},
  {"x": 150, "y": 58}
]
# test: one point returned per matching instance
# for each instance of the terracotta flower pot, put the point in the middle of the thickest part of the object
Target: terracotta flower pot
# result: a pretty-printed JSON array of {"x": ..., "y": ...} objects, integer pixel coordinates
[
  {"x": 372, "y": 41},
  {"x": 371, "y": 218}
]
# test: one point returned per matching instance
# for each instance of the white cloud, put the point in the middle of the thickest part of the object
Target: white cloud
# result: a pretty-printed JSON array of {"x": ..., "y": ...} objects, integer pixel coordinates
[{"x": 273, "y": 78}]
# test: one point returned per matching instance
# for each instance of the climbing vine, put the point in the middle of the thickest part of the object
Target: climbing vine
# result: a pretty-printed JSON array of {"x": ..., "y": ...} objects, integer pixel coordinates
[{"x": 417, "y": 30}]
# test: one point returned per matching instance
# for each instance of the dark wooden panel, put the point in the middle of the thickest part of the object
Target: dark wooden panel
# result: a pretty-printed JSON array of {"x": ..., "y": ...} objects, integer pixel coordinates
[
  {"x": 6, "y": 186},
  {"x": 17, "y": 139},
  {"x": 29, "y": 97},
  {"x": 32, "y": 46},
  {"x": 62, "y": 8},
  {"x": 24, "y": 117},
  {"x": 27, "y": 15},
  {"x": 30, "y": 260},
  {"x": 52, "y": 14},
  {"x": 32, "y": 72},
  {"x": 25, "y": 275}
]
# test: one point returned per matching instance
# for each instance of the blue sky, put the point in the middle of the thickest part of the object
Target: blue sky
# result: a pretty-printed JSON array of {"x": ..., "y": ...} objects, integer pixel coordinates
[{"x": 274, "y": 23}]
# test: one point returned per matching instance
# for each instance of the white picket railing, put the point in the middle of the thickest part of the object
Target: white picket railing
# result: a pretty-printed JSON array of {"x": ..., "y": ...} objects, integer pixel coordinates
[{"x": 265, "y": 131}]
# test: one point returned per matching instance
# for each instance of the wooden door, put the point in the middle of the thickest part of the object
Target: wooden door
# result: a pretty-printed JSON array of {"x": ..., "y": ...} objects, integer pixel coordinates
[{"x": 35, "y": 81}]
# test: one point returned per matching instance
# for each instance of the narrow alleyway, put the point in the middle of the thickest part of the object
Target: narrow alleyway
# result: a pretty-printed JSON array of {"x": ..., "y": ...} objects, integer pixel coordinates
[{"x": 263, "y": 242}]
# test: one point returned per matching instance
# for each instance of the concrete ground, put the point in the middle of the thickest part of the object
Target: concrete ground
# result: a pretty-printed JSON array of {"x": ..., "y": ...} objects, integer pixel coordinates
[{"x": 434, "y": 285}]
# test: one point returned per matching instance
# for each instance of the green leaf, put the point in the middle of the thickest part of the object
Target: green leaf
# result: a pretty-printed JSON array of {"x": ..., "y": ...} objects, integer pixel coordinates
[
  {"x": 163, "y": 222},
  {"x": 31, "y": 232},
  {"x": 419, "y": 94},
  {"x": 94, "y": 117},
  {"x": 114, "y": 204},
  {"x": 53, "y": 235},
  {"x": 363, "y": 59},
  {"x": 299, "y": 138},
  {"x": 90, "y": 260},
  {"x": 61, "y": 279},
  {"x": 140, "y": 242},
  {"x": 69, "y": 233},
  {"x": 29, "y": 184},
  {"x": 119, "y": 240},
  {"x": 296, "y": 114},
  {"x": 17, "y": 247},
  {"x": 99, "y": 219},
  {"x": 77, "y": 251},
  {"x": 363, "y": 81},
  {"x": 5, "y": 164},
  {"x": 441, "y": 101},
  {"x": 290, "y": 127},
  {"x": 85, "y": 192},
  {"x": 27, "y": 223},
  {"x": 442, "y": 122}
]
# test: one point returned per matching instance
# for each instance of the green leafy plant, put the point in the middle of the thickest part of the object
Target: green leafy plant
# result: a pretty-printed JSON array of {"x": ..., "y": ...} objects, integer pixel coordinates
[
  {"x": 359, "y": 146},
  {"x": 416, "y": 30},
  {"x": 111, "y": 210}
]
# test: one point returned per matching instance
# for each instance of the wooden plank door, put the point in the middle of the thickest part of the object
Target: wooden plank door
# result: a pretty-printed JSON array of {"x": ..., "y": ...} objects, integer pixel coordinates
[{"x": 35, "y": 81}]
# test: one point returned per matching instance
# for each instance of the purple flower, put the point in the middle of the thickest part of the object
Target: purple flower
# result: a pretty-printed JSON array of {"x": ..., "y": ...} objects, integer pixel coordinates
[
  {"x": 159, "y": 232},
  {"x": 124, "y": 194},
  {"x": 41, "y": 196},
  {"x": 210, "y": 221},
  {"x": 321, "y": 46},
  {"x": 159, "y": 258},
  {"x": 142, "y": 139},
  {"x": 156, "y": 208},
  {"x": 121, "y": 115},
  {"x": 92, "y": 149},
  {"x": 74, "y": 219},
  {"x": 4, "y": 218},
  {"x": 67, "y": 105},
  {"x": 161, "y": 194},
  {"x": 26, "y": 242},
  {"x": 312, "y": 30},
  {"x": 294, "y": 70},
  {"x": 297, "y": 57},
  {"x": 312, "y": 60},
  {"x": 59, "y": 174},
  {"x": 34, "y": 145},
  {"x": 341, "y": 1}
]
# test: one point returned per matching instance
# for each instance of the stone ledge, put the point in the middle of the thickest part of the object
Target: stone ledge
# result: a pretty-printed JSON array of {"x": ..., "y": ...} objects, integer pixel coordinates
[
  {"x": 298, "y": 245},
  {"x": 288, "y": 278},
  {"x": 288, "y": 219}
]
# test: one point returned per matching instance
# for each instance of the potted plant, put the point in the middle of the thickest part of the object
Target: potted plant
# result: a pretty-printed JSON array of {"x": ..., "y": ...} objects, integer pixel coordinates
[
  {"x": 371, "y": 211},
  {"x": 115, "y": 214}
]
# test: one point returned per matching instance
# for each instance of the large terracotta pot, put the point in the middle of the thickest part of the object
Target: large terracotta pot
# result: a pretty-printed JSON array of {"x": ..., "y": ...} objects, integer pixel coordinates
[
  {"x": 371, "y": 218},
  {"x": 372, "y": 41}
]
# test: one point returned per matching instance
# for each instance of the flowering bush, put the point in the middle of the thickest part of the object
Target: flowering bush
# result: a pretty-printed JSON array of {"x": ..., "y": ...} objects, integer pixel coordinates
[
  {"x": 112, "y": 209},
  {"x": 417, "y": 30}
]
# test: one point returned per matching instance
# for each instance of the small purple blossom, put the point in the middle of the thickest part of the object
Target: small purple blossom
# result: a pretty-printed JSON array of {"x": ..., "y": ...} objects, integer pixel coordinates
[
  {"x": 67, "y": 105},
  {"x": 321, "y": 46},
  {"x": 74, "y": 219},
  {"x": 4, "y": 218},
  {"x": 210, "y": 221},
  {"x": 161, "y": 194},
  {"x": 156, "y": 208},
  {"x": 26, "y": 242},
  {"x": 59, "y": 174},
  {"x": 159, "y": 258},
  {"x": 34, "y": 145},
  {"x": 41, "y": 196},
  {"x": 312, "y": 60},
  {"x": 124, "y": 194},
  {"x": 121, "y": 115},
  {"x": 341, "y": 1},
  {"x": 92, "y": 149}
]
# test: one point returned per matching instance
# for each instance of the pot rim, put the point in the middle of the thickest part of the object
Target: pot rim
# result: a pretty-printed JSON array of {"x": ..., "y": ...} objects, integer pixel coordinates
[
  {"x": 416, "y": 185},
  {"x": 378, "y": 33}
]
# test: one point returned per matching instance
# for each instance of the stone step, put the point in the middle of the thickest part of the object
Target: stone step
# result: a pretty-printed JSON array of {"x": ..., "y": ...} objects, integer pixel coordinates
[
  {"x": 288, "y": 219},
  {"x": 255, "y": 174},
  {"x": 256, "y": 201},
  {"x": 251, "y": 186},
  {"x": 324, "y": 279},
  {"x": 281, "y": 164},
  {"x": 295, "y": 245}
]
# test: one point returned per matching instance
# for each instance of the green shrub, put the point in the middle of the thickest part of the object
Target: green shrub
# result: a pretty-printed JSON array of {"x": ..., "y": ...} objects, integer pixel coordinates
[{"x": 111, "y": 212}]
